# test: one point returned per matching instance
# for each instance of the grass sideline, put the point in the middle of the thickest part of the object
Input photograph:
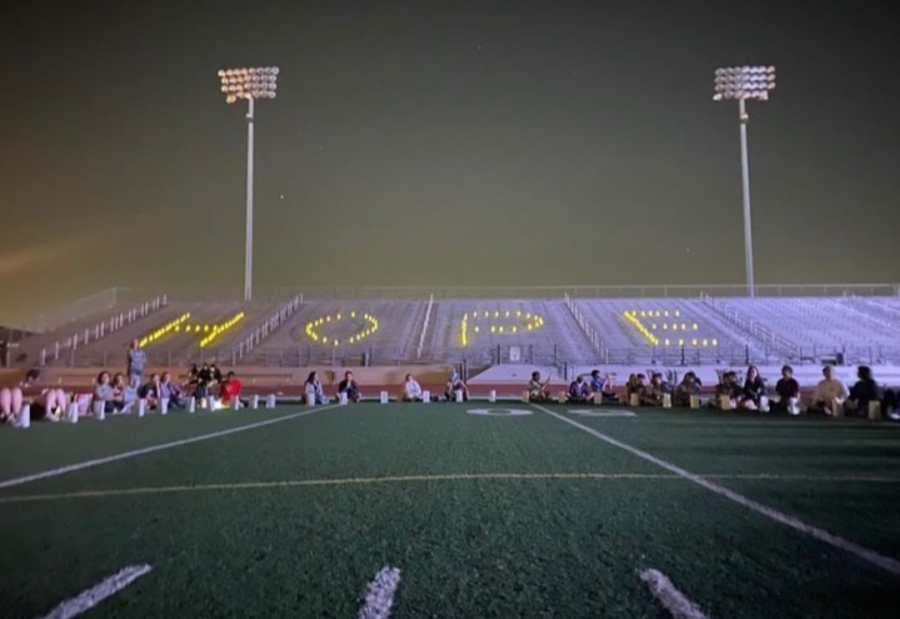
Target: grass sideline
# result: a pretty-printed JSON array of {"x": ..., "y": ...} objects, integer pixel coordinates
[{"x": 485, "y": 515}]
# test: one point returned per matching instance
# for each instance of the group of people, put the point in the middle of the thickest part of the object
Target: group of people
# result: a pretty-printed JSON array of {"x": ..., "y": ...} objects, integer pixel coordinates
[
  {"x": 830, "y": 397},
  {"x": 314, "y": 393}
]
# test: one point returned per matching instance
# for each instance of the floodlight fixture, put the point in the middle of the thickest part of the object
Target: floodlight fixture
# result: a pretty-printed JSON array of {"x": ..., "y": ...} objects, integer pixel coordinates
[
  {"x": 743, "y": 83},
  {"x": 251, "y": 84}
]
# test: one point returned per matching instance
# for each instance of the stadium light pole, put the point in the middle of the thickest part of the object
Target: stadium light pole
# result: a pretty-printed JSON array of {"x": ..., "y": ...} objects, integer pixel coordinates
[
  {"x": 744, "y": 83},
  {"x": 250, "y": 84}
]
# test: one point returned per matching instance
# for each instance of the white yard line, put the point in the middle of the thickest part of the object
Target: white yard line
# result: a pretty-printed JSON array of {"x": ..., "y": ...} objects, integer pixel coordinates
[
  {"x": 96, "y": 594},
  {"x": 671, "y": 598},
  {"x": 380, "y": 594},
  {"x": 71, "y": 468},
  {"x": 886, "y": 563}
]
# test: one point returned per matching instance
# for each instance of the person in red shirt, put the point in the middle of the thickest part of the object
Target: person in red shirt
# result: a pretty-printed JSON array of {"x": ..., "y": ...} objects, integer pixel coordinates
[{"x": 230, "y": 389}]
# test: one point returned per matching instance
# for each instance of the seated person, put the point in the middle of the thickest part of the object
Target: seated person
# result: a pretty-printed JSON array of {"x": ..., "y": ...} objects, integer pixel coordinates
[
  {"x": 604, "y": 386},
  {"x": 728, "y": 387},
  {"x": 151, "y": 391},
  {"x": 349, "y": 386},
  {"x": 104, "y": 392},
  {"x": 204, "y": 382},
  {"x": 412, "y": 391},
  {"x": 689, "y": 386},
  {"x": 230, "y": 390},
  {"x": 830, "y": 393},
  {"x": 787, "y": 392},
  {"x": 313, "y": 390},
  {"x": 634, "y": 386},
  {"x": 122, "y": 393},
  {"x": 51, "y": 405},
  {"x": 537, "y": 390},
  {"x": 579, "y": 391},
  {"x": 455, "y": 384},
  {"x": 754, "y": 390},
  {"x": 10, "y": 405},
  {"x": 652, "y": 394},
  {"x": 171, "y": 391},
  {"x": 864, "y": 391}
]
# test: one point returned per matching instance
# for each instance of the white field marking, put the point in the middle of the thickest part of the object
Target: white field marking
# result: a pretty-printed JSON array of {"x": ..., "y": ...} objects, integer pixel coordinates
[
  {"x": 71, "y": 468},
  {"x": 96, "y": 594},
  {"x": 396, "y": 479},
  {"x": 885, "y": 563},
  {"x": 500, "y": 412},
  {"x": 602, "y": 412},
  {"x": 380, "y": 594},
  {"x": 671, "y": 598}
]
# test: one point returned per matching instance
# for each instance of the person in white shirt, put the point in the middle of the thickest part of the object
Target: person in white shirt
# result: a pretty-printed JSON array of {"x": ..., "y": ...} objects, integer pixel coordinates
[
  {"x": 412, "y": 391},
  {"x": 830, "y": 393}
]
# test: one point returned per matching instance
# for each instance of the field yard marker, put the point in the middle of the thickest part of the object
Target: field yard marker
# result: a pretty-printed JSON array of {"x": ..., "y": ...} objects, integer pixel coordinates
[
  {"x": 380, "y": 594},
  {"x": 885, "y": 563},
  {"x": 71, "y": 468},
  {"x": 96, "y": 594},
  {"x": 671, "y": 598}
]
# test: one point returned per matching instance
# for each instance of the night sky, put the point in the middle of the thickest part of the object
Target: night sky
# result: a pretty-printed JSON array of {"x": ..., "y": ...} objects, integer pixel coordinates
[{"x": 443, "y": 143}]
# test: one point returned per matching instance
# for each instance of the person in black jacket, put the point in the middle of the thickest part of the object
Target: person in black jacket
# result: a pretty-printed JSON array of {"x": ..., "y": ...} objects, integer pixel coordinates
[
  {"x": 863, "y": 392},
  {"x": 349, "y": 386},
  {"x": 753, "y": 391}
]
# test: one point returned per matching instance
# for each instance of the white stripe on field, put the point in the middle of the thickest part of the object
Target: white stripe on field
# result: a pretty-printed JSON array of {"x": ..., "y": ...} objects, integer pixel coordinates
[
  {"x": 671, "y": 598},
  {"x": 885, "y": 563},
  {"x": 380, "y": 594},
  {"x": 96, "y": 594},
  {"x": 71, "y": 468}
]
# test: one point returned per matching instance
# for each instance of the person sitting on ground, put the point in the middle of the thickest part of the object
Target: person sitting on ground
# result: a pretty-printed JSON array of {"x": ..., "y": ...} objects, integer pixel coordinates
[
  {"x": 313, "y": 391},
  {"x": 171, "y": 391},
  {"x": 137, "y": 358},
  {"x": 754, "y": 390},
  {"x": 604, "y": 386},
  {"x": 830, "y": 393},
  {"x": 579, "y": 391},
  {"x": 10, "y": 405},
  {"x": 216, "y": 374},
  {"x": 205, "y": 381},
  {"x": 865, "y": 390},
  {"x": 686, "y": 388},
  {"x": 104, "y": 392},
  {"x": 652, "y": 395},
  {"x": 634, "y": 386},
  {"x": 729, "y": 388},
  {"x": 412, "y": 391},
  {"x": 192, "y": 377},
  {"x": 455, "y": 384},
  {"x": 788, "y": 391},
  {"x": 151, "y": 392},
  {"x": 122, "y": 393},
  {"x": 230, "y": 390},
  {"x": 537, "y": 390},
  {"x": 31, "y": 377},
  {"x": 50, "y": 405},
  {"x": 349, "y": 386}
]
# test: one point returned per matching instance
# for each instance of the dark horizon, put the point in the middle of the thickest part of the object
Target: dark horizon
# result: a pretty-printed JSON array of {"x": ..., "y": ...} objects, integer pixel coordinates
[{"x": 432, "y": 143}]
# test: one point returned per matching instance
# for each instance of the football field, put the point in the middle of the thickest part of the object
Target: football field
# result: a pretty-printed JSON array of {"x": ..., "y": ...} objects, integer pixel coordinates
[{"x": 451, "y": 510}]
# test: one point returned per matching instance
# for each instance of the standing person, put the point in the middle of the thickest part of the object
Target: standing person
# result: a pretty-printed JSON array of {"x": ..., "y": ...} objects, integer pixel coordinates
[
  {"x": 313, "y": 389},
  {"x": 349, "y": 386},
  {"x": 137, "y": 358},
  {"x": 412, "y": 391},
  {"x": 788, "y": 390},
  {"x": 830, "y": 393}
]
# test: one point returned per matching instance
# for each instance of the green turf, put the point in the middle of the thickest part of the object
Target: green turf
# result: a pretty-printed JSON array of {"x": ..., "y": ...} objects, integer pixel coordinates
[{"x": 468, "y": 547}]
